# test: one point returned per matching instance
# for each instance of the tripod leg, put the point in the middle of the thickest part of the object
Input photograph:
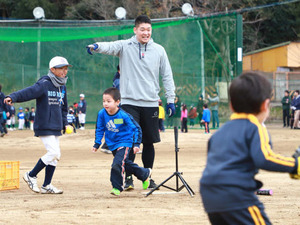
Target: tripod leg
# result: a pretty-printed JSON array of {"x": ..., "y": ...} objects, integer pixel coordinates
[
  {"x": 188, "y": 188},
  {"x": 166, "y": 180}
]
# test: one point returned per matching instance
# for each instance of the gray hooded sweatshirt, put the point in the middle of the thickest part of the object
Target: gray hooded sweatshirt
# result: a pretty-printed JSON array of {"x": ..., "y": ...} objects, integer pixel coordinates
[{"x": 140, "y": 67}]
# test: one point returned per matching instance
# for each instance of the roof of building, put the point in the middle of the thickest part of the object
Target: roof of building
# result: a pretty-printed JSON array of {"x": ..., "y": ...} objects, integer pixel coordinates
[{"x": 267, "y": 48}]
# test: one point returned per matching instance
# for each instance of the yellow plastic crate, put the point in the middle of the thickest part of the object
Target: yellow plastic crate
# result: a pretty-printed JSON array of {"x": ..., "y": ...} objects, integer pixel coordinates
[{"x": 9, "y": 175}]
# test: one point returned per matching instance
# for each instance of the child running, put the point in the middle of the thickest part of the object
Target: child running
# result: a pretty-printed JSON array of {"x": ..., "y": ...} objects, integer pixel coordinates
[
  {"x": 121, "y": 133},
  {"x": 237, "y": 151},
  {"x": 50, "y": 93}
]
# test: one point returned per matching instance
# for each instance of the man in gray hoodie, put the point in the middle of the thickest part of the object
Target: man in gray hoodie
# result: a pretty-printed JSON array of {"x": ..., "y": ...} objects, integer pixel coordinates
[
  {"x": 214, "y": 106},
  {"x": 141, "y": 62}
]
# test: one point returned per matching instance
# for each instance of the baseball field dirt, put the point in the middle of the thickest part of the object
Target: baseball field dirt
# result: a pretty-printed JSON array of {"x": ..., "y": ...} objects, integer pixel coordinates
[{"x": 84, "y": 177}]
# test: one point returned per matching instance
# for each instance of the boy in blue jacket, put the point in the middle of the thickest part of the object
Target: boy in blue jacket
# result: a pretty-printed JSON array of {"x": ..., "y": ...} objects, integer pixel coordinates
[
  {"x": 237, "y": 151},
  {"x": 50, "y": 118},
  {"x": 121, "y": 133},
  {"x": 206, "y": 118}
]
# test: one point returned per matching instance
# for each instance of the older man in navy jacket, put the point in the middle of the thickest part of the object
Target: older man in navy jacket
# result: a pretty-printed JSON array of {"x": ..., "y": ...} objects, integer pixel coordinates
[{"x": 296, "y": 107}]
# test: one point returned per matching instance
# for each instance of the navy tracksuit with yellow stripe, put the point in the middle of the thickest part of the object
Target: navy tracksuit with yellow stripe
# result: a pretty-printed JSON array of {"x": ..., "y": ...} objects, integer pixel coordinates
[{"x": 235, "y": 154}]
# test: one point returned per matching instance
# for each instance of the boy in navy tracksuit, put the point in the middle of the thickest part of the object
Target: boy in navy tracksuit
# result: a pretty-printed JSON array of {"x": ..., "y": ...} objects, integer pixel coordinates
[
  {"x": 121, "y": 133},
  {"x": 237, "y": 151},
  {"x": 50, "y": 118}
]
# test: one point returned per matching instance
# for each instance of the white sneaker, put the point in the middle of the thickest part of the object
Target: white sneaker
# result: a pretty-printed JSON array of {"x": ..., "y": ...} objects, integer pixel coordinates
[
  {"x": 106, "y": 151},
  {"x": 81, "y": 128},
  {"x": 32, "y": 182},
  {"x": 50, "y": 189}
]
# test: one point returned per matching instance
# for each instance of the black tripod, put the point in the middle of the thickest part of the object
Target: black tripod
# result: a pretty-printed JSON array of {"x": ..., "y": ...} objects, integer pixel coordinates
[{"x": 176, "y": 173}]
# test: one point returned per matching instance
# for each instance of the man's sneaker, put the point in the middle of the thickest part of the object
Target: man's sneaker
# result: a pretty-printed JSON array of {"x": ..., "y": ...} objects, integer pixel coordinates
[
  {"x": 50, "y": 189},
  {"x": 115, "y": 192},
  {"x": 146, "y": 183},
  {"x": 129, "y": 184},
  {"x": 2, "y": 134},
  {"x": 152, "y": 184},
  {"x": 32, "y": 182}
]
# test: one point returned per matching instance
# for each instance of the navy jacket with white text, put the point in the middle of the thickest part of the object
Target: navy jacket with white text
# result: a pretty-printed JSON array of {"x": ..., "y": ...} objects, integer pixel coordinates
[{"x": 51, "y": 106}]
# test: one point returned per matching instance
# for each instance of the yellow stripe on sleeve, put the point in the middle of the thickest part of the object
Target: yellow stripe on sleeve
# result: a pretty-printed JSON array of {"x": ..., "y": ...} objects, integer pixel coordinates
[
  {"x": 264, "y": 139},
  {"x": 258, "y": 214},
  {"x": 270, "y": 155},
  {"x": 253, "y": 215}
]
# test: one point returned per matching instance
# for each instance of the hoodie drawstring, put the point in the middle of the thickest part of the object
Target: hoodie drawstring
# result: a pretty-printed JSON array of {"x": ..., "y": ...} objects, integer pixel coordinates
[{"x": 140, "y": 52}]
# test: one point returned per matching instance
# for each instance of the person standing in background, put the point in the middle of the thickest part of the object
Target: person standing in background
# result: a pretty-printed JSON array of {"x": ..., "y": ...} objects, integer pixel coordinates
[
  {"x": 200, "y": 109},
  {"x": 177, "y": 114},
  {"x": 296, "y": 107},
  {"x": 161, "y": 116},
  {"x": 81, "y": 111},
  {"x": 214, "y": 106},
  {"x": 21, "y": 118},
  {"x": 11, "y": 119},
  {"x": 31, "y": 117},
  {"x": 286, "y": 102},
  {"x": 4, "y": 112},
  {"x": 116, "y": 79},
  {"x": 192, "y": 115},
  {"x": 206, "y": 118},
  {"x": 27, "y": 123},
  {"x": 183, "y": 118},
  {"x": 75, "y": 107}
]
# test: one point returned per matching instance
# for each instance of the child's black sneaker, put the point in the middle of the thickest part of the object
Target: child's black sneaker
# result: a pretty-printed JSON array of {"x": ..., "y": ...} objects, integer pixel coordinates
[{"x": 129, "y": 184}]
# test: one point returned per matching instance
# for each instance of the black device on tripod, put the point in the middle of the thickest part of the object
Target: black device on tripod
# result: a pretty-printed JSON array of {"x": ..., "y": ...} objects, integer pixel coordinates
[{"x": 176, "y": 173}]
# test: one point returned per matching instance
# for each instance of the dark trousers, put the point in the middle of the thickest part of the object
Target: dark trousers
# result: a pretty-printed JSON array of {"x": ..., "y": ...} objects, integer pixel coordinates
[
  {"x": 200, "y": 118},
  {"x": 122, "y": 163},
  {"x": 184, "y": 125},
  {"x": 161, "y": 125},
  {"x": 77, "y": 122},
  {"x": 286, "y": 117},
  {"x": 292, "y": 118},
  {"x": 248, "y": 216},
  {"x": 1, "y": 122},
  {"x": 27, "y": 124},
  {"x": 147, "y": 118},
  {"x": 206, "y": 126},
  {"x": 215, "y": 118}
]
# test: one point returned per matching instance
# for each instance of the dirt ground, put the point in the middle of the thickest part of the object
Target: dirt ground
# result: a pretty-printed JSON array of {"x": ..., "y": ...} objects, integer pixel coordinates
[{"x": 84, "y": 177}]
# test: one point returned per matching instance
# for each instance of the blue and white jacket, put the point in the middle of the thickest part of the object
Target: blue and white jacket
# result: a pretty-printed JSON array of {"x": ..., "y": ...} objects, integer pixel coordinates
[
  {"x": 21, "y": 115},
  {"x": 120, "y": 129},
  {"x": 51, "y": 106}
]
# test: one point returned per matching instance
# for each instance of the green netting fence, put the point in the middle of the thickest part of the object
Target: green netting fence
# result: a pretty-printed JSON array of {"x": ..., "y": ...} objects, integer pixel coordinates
[{"x": 203, "y": 53}]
